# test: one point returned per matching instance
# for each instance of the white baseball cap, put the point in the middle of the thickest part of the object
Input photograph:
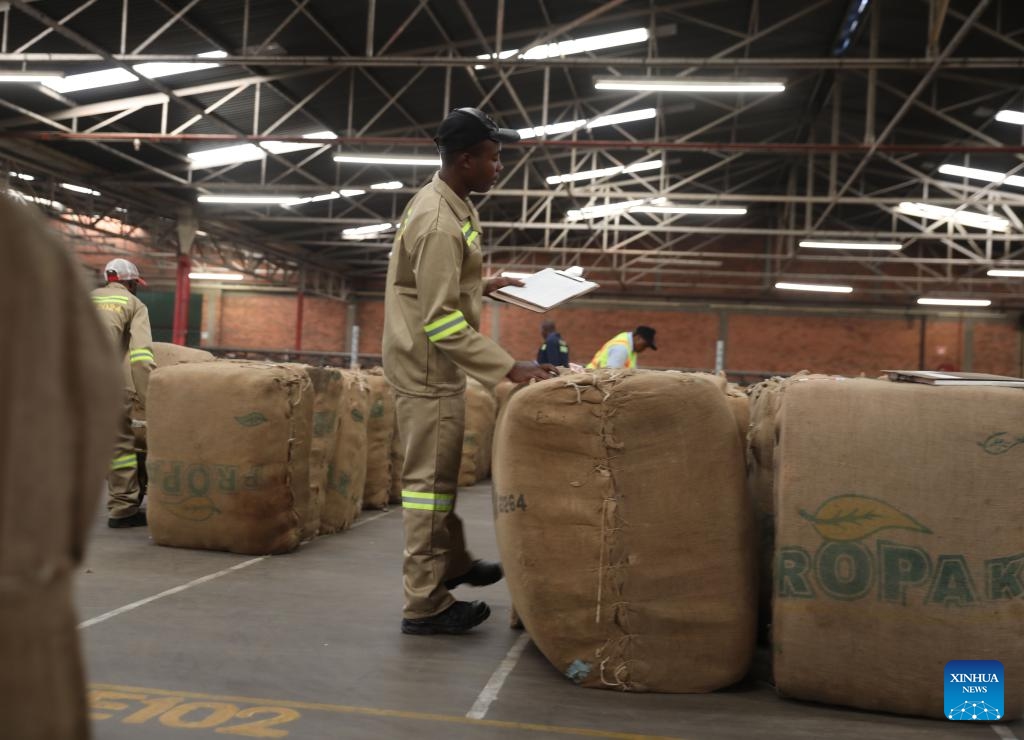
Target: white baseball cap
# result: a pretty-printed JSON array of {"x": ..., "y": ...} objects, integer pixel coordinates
[{"x": 124, "y": 270}]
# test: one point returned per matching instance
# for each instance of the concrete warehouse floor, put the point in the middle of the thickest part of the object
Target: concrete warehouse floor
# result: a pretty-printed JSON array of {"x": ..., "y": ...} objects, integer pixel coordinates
[{"x": 192, "y": 644}]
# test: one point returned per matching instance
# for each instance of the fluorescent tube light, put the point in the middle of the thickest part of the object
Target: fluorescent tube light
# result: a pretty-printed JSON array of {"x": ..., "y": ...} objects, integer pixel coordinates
[
  {"x": 1011, "y": 116},
  {"x": 225, "y": 155},
  {"x": 21, "y": 176},
  {"x": 386, "y": 159},
  {"x": 118, "y": 75},
  {"x": 367, "y": 232},
  {"x": 815, "y": 288},
  {"x": 333, "y": 195},
  {"x": 693, "y": 210},
  {"x": 997, "y": 272},
  {"x": 864, "y": 246},
  {"x": 688, "y": 85},
  {"x": 964, "y": 218},
  {"x": 974, "y": 173},
  {"x": 574, "y": 46},
  {"x": 517, "y": 275},
  {"x": 641, "y": 114},
  {"x": 249, "y": 200},
  {"x": 201, "y": 233},
  {"x": 284, "y": 147},
  {"x": 79, "y": 189},
  {"x": 389, "y": 185},
  {"x": 655, "y": 164},
  {"x": 978, "y": 303},
  {"x": 46, "y": 78},
  {"x": 215, "y": 276},
  {"x": 628, "y": 116},
  {"x": 600, "y": 211},
  {"x": 17, "y": 194}
]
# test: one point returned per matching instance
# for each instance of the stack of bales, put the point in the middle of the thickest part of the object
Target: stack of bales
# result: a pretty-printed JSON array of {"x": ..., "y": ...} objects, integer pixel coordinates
[
  {"x": 625, "y": 531},
  {"x": 380, "y": 431},
  {"x": 346, "y": 472}
]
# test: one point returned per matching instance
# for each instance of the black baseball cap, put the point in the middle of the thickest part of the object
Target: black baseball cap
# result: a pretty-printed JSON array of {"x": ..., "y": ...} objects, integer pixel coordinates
[
  {"x": 648, "y": 335},
  {"x": 465, "y": 127}
]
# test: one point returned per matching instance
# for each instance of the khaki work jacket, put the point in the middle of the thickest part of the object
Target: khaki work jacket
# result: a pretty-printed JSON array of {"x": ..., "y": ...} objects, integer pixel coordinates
[
  {"x": 126, "y": 320},
  {"x": 432, "y": 333}
]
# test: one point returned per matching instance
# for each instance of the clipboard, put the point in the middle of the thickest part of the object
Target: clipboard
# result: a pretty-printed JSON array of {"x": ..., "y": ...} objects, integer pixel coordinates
[
  {"x": 545, "y": 290},
  {"x": 964, "y": 380}
]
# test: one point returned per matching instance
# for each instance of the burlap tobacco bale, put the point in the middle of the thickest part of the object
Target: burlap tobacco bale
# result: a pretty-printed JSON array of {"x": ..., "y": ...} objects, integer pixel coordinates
[
  {"x": 164, "y": 355},
  {"x": 229, "y": 448},
  {"x": 380, "y": 428},
  {"x": 739, "y": 404},
  {"x": 327, "y": 388},
  {"x": 481, "y": 409},
  {"x": 346, "y": 473},
  {"x": 60, "y": 398},
  {"x": 624, "y": 529},
  {"x": 899, "y": 542}
]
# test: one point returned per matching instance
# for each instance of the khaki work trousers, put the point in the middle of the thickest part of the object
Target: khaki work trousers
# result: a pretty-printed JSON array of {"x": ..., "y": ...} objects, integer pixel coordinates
[
  {"x": 431, "y": 431},
  {"x": 123, "y": 478}
]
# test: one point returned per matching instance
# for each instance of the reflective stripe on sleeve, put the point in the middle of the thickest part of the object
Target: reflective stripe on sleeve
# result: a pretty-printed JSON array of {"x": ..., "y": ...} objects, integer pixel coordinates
[
  {"x": 445, "y": 326},
  {"x": 124, "y": 462},
  {"x": 121, "y": 299},
  {"x": 424, "y": 501},
  {"x": 141, "y": 355}
]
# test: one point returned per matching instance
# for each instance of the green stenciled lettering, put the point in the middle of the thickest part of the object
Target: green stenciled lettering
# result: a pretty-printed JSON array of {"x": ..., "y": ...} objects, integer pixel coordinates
[
  {"x": 170, "y": 481},
  {"x": 952, "y": 584},
  {"x": 901, "y": 566},
  {"x": 323, "y": 422},
  {"x": 198, "y": 480},
  {"x": 844, "y": 569},
  {"x": 1005, "y": 577},
  {"x": 251, "y": 480},
  {"x": 227, "y": 478},
  {"x": 792, "y": 567}
]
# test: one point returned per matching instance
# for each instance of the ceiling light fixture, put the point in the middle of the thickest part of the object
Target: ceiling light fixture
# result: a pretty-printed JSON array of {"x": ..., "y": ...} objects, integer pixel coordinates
[
  {"x": 249, "y": 200},
  {"x": 600, "y": 211},
  {"x": 973, "y": 173},
  {"x": 225, "y": 155},
  {"x": 1011, "y": 116},
  {"x": 815, "y": 288},
  {"x": 997, "y": 272},
  {"x": 655, "y": 164},
  {"x": 963, "y": 218},
  {"x": 333, "y": 195},
  {"x": 688, "y": 85},
  {"x": 390, "y": 185},
  {"x": 215, "y": 276},
  {"x": 21, "y": 176},
  {"x": 387, "y": 159},
  {"x": 862, "y": 246},
  {"x": 975, "y": 302},
  {"x": 691, "y": 210},
  {"x": 79, "y": 189},
  {"x": 564, "y": 127},
  {"x": 367, "y": 232},
  {"x": 119, "y": 75},
  {"x": 11, "y": 75},
  {"x": 573, "y": 46}
]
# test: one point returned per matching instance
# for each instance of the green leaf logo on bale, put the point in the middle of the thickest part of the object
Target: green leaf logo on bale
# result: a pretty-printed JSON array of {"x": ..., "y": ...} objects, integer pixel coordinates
[
  {"x": 1000, "y": 443},
  {"x": 853, "y": 517},
  {"x": 844, "y": 567},
  {"x": 377, "y": 411},
  {"x": 192, "y": 508},
  {"x": 252, "y": 419}
]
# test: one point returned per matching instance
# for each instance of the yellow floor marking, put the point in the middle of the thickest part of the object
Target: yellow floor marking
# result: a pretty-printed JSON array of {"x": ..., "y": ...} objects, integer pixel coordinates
[{"x": 396, "y": 713}]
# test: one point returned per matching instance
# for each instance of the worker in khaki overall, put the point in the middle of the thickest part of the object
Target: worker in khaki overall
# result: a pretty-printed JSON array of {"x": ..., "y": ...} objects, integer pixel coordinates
[
  {"x": 126, "y": 320},
  {"x": 431, "y": 341},
  {"x": 622, "y": 349}
]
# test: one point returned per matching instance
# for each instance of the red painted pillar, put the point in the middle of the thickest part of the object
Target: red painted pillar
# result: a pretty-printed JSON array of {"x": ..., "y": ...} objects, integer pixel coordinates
[{"x": 179, "y": 329}]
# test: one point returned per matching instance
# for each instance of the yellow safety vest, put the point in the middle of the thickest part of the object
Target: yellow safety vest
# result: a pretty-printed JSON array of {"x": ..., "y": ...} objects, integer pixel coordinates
[{"x": 601, "y": 358}]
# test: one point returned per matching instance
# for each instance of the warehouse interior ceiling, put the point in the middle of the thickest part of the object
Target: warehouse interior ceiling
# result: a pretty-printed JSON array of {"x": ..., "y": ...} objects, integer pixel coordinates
[{"x": 855, "y": 122}]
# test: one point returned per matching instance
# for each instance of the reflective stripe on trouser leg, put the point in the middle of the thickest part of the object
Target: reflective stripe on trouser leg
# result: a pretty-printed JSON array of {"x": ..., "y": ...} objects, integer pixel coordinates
[
  {"x": 431, "y": 430},
  {"x": 123, "y": 478}
]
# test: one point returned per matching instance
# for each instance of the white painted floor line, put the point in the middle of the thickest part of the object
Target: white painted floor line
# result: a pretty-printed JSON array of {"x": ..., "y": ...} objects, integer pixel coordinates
[
  {"x": 1004, "y": 732},
  {"x": 490, "y": 692},
  {"x": 168, "y": 592},
  {"x": 367, "y": 520}
]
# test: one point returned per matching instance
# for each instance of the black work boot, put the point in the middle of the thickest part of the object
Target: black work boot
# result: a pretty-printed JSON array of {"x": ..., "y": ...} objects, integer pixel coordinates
[
  {"x": 138, "y": 519},
  {"x": 462, "y": 616},
  {"x": 481, "y": 573}
]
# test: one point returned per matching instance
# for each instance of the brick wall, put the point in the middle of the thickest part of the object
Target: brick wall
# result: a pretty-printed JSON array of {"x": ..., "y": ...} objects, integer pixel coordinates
[{"x": 776, "y": 341}]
